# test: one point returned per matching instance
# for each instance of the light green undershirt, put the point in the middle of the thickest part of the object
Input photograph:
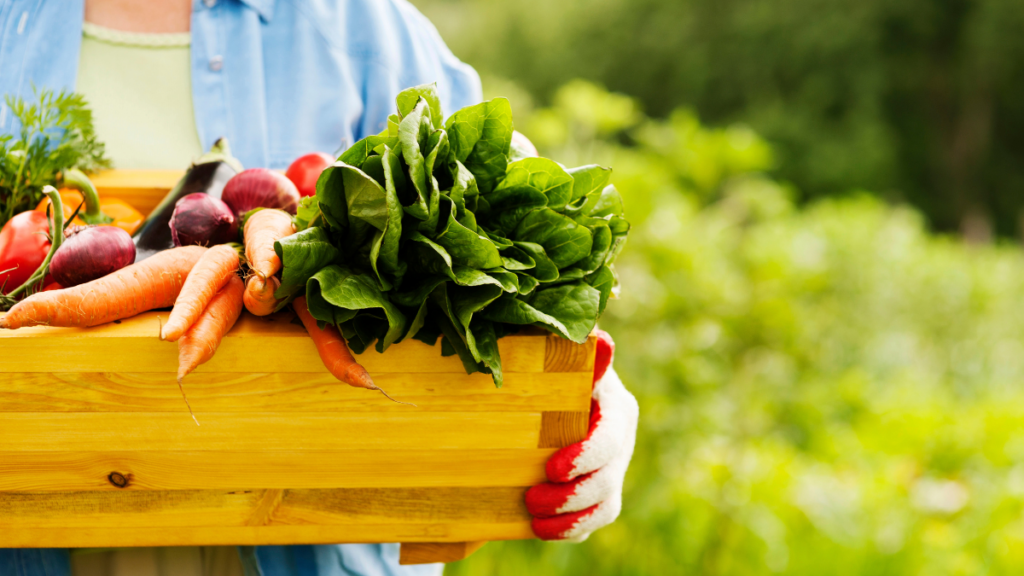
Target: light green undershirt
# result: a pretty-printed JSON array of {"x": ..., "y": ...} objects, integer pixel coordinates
[{"x": 140, "y": 90}]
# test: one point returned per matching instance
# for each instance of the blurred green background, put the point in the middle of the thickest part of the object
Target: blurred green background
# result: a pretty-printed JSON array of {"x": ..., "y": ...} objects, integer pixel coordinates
[{"x": 821, "y": 307}]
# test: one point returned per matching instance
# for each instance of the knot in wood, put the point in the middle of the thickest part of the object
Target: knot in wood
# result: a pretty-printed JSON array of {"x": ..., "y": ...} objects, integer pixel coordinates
[{"x": 118, "y": 479}]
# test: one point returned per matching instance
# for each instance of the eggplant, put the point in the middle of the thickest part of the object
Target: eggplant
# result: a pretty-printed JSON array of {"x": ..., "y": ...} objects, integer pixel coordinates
[{"x": 207, "y": 175}]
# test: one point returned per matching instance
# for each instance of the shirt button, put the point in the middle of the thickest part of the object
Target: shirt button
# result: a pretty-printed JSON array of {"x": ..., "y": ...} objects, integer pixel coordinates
[
  {"x": 210, "y": 3},
  {"x": 216, "y": 63}
]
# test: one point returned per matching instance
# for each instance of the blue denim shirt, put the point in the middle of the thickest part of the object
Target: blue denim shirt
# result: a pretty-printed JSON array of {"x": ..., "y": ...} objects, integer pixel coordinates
[{"x": 278, "y": 78}]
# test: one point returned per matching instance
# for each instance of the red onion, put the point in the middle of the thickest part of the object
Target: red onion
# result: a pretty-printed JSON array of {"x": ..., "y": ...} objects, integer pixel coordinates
[
  {"x": 91, "y": 253},
  {"x": 202, "y": 220},
  {"x": 260, "y": 188}
]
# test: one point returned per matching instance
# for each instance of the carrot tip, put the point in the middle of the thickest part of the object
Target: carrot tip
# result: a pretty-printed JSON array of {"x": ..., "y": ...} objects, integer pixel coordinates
[{"x": 358, "y": 376}]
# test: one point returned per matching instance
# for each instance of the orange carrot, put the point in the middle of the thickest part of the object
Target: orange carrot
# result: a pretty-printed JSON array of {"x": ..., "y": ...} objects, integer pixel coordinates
[
  {"x": 261, "y": 231},
  {"x": 199, "y": 342},
  {"x": 259, "y": 295},
  {"x": 333, "y": 351},
  {"x": 153, "y": 283},
  {"x": 210, "y": 274}
]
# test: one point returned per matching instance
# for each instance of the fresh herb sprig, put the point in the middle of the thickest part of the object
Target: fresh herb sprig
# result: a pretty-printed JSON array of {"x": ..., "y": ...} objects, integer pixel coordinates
[{"x": 54, "y": 133}]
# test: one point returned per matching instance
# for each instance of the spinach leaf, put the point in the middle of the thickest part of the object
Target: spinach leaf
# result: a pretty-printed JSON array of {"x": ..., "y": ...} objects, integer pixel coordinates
[
  {"x": 604, "y": 281},
  {"x": 350, "y": 291},
  {"x": 565, "y": 242},
  {"x": 408, "y": 98},
  {"x": 465, "y": 246},
  {"x": 588, "y": 179},
  {"x": 542, "y": 175},
  {"x": 480, "y": 137},
  {"x": 302, "y": 254},
  {"x": 574, "y": 305},
  {"x": 413, "y": 134},
  {"x": 384, "y": 257}
]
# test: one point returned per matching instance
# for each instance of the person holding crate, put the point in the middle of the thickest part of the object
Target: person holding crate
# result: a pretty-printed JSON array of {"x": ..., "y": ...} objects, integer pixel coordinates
[{"x": 278, "y": 78}]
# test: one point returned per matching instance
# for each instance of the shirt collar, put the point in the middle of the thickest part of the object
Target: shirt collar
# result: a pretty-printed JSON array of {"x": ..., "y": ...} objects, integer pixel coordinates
[{"x": 265, "y": 8}]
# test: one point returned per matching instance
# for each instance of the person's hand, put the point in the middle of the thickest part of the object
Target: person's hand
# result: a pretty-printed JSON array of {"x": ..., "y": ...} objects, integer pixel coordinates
[{"x": 584, "y": 491}]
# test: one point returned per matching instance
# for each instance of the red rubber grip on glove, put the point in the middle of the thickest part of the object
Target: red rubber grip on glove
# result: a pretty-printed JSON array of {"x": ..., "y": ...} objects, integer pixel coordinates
[{"x": 556, "y": 527}]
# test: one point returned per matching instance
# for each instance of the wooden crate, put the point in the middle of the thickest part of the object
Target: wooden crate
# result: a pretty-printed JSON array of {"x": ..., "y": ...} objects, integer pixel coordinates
[{"x": 97, "y": 448}]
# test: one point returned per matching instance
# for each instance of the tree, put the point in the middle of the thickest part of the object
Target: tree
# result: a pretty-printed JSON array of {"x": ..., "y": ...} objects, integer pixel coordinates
[{"x": 919, "y": 100}]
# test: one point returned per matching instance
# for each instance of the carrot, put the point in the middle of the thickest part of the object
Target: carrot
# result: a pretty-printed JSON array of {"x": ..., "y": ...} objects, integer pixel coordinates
[
  {"x": 153, "y": 283},
  {"x": 259, "y": 295},
  {"x": 261, "y": 231},
  {"x": 201, "y": 340},
  {"x": 333, "y": 351},
  {"x": 210, "y": 274}
]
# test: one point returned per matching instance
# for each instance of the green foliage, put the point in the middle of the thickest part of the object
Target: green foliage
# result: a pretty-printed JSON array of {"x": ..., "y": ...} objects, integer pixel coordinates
[
  {"x": 432, "y": 229},
  {"x": 56, "y": 133},
  {"x": 831, "y": 390},
  {"x": 915, "y": 100}
]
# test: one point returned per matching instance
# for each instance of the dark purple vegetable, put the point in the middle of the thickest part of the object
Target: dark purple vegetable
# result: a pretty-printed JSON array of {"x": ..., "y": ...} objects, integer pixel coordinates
[
  {"x": 91, "y": 253},
  {"x": 208, "y": 175},
  {"x": 202, "y": 220},
  {"x": 260, "y": 188}
]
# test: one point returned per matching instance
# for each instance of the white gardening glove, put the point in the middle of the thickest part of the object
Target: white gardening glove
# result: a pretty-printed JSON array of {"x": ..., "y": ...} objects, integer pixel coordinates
[{"x": 584, "y": 491}]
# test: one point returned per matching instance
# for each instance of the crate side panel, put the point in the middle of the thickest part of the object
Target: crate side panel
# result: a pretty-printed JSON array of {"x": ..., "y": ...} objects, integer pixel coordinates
[
  {"x": 273, "y": 344},
  {"x": 269, "y": 507},
  {"x": 143, "y": 189},
  {"x": 108, "y": 537},
  {"x": 178, "y": 470},
  {"x": 238, "y": 432},
  {"x": 289, "y": 392}
]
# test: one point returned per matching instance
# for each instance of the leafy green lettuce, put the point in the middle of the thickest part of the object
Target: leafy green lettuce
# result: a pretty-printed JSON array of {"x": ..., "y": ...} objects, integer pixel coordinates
[{"x": 432, "y": 230}]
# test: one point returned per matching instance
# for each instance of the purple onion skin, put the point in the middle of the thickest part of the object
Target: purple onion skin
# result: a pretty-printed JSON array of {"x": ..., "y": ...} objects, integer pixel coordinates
[
  {"x": 91, "y": 253},
  {"x": 202, "y": 220},
  {"x": 260, "y": 188}
]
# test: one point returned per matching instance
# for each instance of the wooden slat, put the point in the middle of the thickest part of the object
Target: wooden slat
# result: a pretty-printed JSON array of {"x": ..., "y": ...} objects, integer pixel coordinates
[
  {"x": 289, "y": 392},
  {"x": 143, "y": 189},
  {"x": 254, "y": 345},
  {"x": 75, "y": 471},
  {"x": 433, "y": 552},
  {"x": 266, "y": 508},
  {"x": 561, "y": 355},
  {"x": 134, "y": 431},
  {"x": 558, "y": 429},
  {"x": 238, "y": 508},
  {"x": 107, "y": 537}
]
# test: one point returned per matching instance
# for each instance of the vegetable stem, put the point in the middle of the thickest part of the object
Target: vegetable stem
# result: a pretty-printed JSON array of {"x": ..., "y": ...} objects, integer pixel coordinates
[
  {"x": 73, "y": 178},
  {"x": 56, "y": 238}
]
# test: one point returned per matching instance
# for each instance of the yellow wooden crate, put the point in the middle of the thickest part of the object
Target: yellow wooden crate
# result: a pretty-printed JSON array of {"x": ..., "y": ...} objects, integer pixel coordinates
[{"x": 97, "y": 448}]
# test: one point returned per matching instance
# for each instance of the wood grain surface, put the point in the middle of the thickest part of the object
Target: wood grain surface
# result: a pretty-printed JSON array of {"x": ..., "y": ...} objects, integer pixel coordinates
[
  {"x": 79, "y": 471},
  {"x": 113, "y": 535},
  {"x": 143, "y": 189},
  {"x": 130, "y": 431},
  {"x": 289, "y": 392},
  {"x": 254, "y": 345},
  {"x": 431, "y": 552}
]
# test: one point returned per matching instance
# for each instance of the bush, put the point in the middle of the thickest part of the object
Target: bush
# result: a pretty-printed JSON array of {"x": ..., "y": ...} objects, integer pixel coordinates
[{"x": 828, "y": 390}]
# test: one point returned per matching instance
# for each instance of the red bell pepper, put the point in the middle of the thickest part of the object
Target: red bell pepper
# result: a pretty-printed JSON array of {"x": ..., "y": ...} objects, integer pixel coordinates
[{"x": 24, "y": 243}]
